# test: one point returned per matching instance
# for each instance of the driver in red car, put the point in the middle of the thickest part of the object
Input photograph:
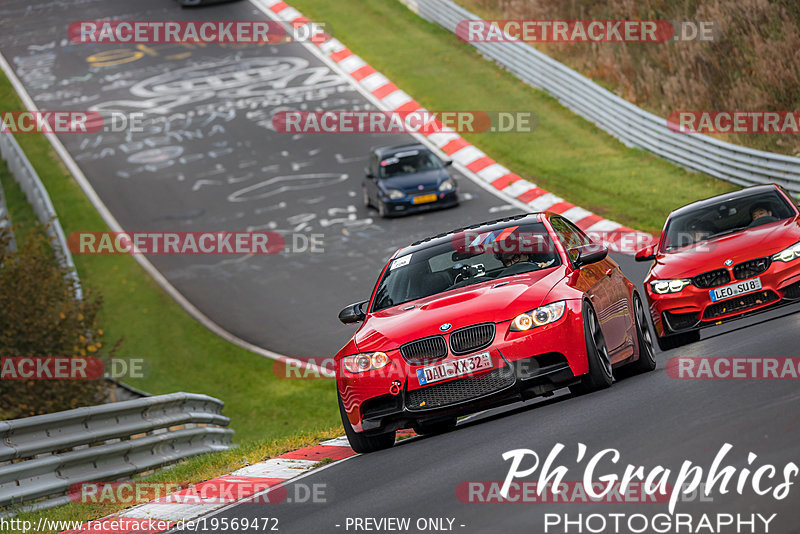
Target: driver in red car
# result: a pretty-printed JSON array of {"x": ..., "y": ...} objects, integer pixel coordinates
[
  {"x": 541, "y": 260},
  {"x": 761, "y": 214}
]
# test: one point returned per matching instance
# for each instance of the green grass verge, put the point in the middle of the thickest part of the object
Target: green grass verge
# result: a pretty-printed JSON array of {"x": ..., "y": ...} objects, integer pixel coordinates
[
  {"x": 566, "y": 154},
  {"x": 188, "y": 472},
  {"x": 181, "y": 353}
]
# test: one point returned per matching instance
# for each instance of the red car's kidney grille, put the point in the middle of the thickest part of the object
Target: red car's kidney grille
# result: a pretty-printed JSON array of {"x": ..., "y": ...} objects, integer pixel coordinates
[
  {"x": 750, "y": 300},
  {"x": 712, "y": 279},
  {"x": 751, "y": 268},
  {"x": 425, "y": 350},
  {"x": 471, "y": 338},
  {"x": 459, "y": 390}
]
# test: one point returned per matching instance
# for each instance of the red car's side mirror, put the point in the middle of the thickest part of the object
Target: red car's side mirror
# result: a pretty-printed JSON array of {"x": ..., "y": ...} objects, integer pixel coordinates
[
  {"x": 646, "y": 254},
  {"x": 353, "y": 313}
]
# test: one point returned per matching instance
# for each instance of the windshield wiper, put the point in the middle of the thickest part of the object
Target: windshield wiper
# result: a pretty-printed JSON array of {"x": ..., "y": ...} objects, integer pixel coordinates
[{"x": 726, "y": 232}]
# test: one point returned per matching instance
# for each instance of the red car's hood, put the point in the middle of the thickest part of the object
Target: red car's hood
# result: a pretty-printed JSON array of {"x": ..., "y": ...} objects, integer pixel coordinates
[
  {"x": 480, "y": 303},
  {"x": 742, "y": 246}
]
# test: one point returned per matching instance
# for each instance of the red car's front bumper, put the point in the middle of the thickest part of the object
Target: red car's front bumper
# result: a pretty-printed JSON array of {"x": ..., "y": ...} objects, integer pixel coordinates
[
  {"x": 692, "y": 308},
  {"x": 525, "y": 365}
]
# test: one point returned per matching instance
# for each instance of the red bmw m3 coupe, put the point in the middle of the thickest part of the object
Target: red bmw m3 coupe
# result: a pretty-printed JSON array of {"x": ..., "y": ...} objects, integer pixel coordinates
[
  {"x": 723, "y": 258},
  {"x": 481, "y": 316}
]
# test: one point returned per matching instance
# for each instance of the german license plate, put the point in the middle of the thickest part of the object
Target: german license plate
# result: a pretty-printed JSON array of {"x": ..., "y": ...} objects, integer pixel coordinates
[
  {"x": 453, "y": 368},
  {"x": 732, "y": 290},
  {"x": 424, "y": 199}
]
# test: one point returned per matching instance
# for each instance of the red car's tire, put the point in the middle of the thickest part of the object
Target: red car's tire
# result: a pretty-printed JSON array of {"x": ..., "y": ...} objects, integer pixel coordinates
[
  {"x": 436, "y": 427},
  {"x": 647, "y": 354},
  {"x": 678, "y": 340},
  {"x": 361, "y": 443},
  {"x": 600, "y": 374}
]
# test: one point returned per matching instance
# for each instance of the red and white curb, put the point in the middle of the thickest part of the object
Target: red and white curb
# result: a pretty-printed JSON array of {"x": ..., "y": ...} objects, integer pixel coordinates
[
  {"x": 481, "y": 167},
  {"x": 167, "y": 512}
]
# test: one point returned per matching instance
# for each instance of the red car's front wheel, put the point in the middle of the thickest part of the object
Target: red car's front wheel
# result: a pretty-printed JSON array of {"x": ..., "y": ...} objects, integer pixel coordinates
[
  {"x": 362, "y": 443},
  {"x": 600, "y": 374},
  {"x": 678, "y": 340},
  {"x": 647, "y": 359}
]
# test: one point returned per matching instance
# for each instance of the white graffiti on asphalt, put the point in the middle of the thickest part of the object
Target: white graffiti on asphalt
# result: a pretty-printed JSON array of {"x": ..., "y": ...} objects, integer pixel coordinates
[
  {"x": 282, "y": 184},
  {"x": 228, "y": 79}
]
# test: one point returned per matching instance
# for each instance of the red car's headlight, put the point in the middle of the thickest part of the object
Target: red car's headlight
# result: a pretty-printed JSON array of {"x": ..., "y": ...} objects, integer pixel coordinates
[
  {"x": 788, "y": 254},
  {"x": 662, "y": 287},
  {"x": 361, "y": 363},
  {"x": 538, "y": 317}
]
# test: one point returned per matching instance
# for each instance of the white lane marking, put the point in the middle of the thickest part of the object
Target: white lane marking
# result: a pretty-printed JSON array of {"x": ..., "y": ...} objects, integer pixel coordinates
[
  {"x": 373, "y": 81},
  {"x": 396, "y": 99},
  {"x": 171, "y": 512},
  {"x": 576, "y": 214},
  {"x": 519, "y": 187},
  {"x": 493, "y": 172},
  {"x": 341, "y": 441},
  {"x": 276, "y": 468},
  {"x": 468, "y": 154},
  {"x": 544, "y": 202},
  {"x": 285, "y": 483},
  {"x": 603, "y": 226},
  {"x": 442, "y": 138},
  {"x": 352, "y": 63}
]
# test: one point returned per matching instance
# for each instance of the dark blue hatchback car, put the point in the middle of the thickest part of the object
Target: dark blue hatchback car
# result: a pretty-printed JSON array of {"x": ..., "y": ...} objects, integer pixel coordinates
[{"x": 406, "y": 179}]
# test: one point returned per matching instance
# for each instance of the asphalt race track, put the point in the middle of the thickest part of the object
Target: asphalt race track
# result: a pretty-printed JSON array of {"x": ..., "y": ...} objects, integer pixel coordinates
[{"x": 210, "y": 161}]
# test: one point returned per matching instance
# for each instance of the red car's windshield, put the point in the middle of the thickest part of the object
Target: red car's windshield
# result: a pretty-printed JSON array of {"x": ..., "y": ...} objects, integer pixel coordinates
[
  {"x": 469, "y": 258},
  {"x": 725, "y": 217}
]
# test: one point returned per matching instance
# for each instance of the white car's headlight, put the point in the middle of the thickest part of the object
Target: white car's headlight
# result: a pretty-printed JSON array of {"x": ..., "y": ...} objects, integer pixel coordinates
[
  {"x": 361, "y": 363},
  {"x": 395, "y": 194},
  {"x": 788, "y": 254},
  {"x": 447, "y": 185},
  {"x": 538, "y": 317},
  {"x": 662, "y": 287}
]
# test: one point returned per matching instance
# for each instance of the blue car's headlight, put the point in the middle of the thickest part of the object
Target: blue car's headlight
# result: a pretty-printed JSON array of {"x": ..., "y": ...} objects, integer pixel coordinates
[
  {"x": 448, "y": 185},
  {"x": 539, "y": 317}
]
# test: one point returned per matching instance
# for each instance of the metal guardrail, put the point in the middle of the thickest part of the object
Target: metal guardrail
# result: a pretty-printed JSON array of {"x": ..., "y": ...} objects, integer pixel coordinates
[
  {"x": 42, "y": 456},
  {"x": 5, "y": 219},
  {"x": 24, "y": 173},
  {"x": 633, "y": 126}
]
